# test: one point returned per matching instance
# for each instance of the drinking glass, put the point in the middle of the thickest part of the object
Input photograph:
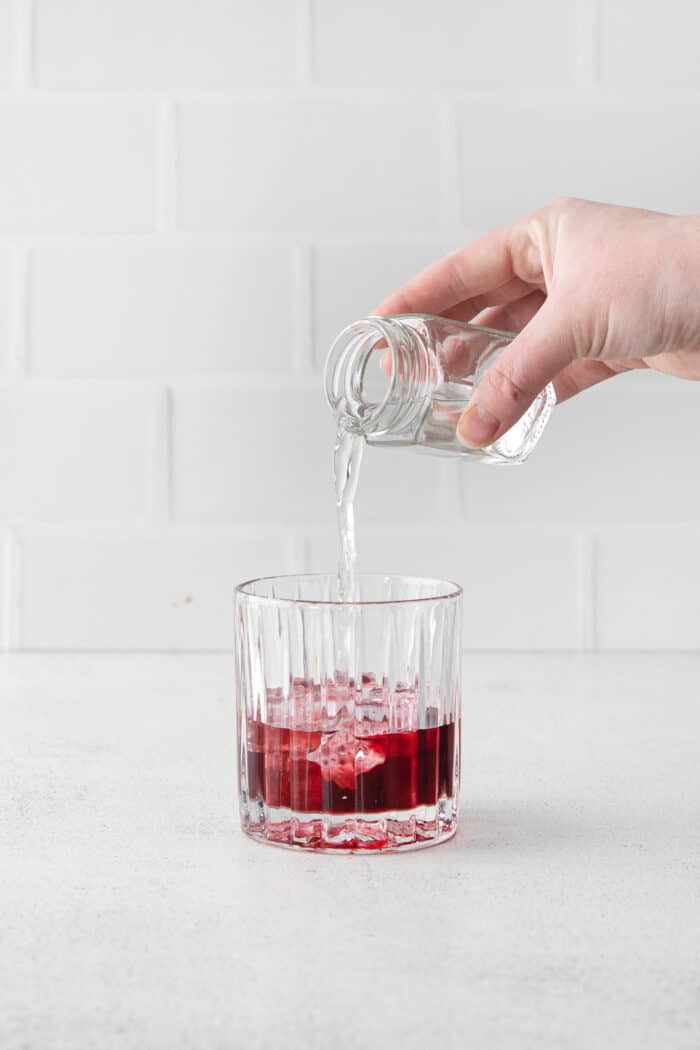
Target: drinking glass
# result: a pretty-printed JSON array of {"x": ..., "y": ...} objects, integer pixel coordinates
[{"x": 348, "y": 711}]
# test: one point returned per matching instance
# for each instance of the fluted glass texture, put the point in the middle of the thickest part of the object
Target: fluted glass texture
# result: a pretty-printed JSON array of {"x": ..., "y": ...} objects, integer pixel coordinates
[{"x": 348, "y": 712}]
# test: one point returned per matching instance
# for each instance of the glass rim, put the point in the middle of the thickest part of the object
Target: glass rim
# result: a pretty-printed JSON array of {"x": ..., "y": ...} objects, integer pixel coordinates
[{"x": 446, "y": 590}]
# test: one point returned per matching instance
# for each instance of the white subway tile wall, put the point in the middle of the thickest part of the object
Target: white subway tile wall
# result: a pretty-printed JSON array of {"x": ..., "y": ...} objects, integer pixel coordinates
[
  {"x": 5, "y": 597},
  {"x": 518, "y": 153},
  {"x": 251, "y": 452},
  {"x": 308, "y": 165},
  {"x": 164, "y": 45},
  {"x": 77, "y": 167},
  {"x": 161, "y": 306},
  {"x": 7, "y": 24},
  {"x": 127, "y": 589},
  {"x": 351, "y": 279},
  {"x": 646, "y": 49},
  {"x": 520, "y": 585},
  {"x": 70, "y": 452},
  {"x": 6, "y": 294},
  {"x": 649, "y": 588},
  {"x": 487, "y": 47},
  {"x": 622, "y": 452},
  {"x": 195, "y": 195}
]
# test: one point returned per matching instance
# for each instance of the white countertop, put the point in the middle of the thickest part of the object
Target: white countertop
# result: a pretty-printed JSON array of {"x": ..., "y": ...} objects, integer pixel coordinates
[{"x": 134, "y": 913}]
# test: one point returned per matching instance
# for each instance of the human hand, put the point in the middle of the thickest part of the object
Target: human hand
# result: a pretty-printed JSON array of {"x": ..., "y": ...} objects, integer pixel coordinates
[{"x": 593, "y": 289}]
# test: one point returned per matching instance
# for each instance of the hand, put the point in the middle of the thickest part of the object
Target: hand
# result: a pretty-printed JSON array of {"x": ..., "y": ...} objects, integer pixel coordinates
[{"x": 593, "y": 290}]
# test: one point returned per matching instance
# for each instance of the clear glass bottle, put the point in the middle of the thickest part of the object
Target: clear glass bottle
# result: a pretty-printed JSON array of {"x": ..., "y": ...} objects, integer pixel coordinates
[{"x": 406, "y": 379}]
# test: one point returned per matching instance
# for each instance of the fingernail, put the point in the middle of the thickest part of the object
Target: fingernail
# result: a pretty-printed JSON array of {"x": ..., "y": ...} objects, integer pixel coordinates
[{"x": 477, "y": 427}]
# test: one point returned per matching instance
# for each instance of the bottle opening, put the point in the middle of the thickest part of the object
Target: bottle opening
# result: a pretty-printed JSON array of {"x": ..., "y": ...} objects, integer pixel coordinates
[
  {"x": 360, "y": 370},
  {"x": 377, "y": 375},
  {"x": 377, "y": 370}
]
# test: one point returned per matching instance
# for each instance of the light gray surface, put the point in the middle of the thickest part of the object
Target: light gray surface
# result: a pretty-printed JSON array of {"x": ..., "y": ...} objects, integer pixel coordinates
[{"x": 135, "y": 914}]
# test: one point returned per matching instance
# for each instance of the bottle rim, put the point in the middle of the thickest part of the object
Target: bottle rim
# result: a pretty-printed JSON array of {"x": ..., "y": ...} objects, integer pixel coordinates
[{"x": 345, "y": 367}]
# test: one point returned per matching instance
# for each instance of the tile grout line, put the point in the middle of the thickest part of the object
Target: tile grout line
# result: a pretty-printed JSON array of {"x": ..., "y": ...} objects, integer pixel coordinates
[
  {"x": 305, "y": 43},
  {"x": 166, "y": 167},
  {"x": 587, "y": 44},
  {"x": 23, "y": 72},
  {"x": 587, "y": 562}
]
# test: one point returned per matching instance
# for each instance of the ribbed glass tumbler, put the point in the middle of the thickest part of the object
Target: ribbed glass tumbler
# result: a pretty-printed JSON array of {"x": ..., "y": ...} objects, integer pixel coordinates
[{"x": 348, "y": 711}]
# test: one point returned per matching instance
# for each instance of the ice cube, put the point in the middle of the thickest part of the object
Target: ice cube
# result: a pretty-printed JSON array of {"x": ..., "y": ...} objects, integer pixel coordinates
[
  {"x": 343, "y": 757},
  {"x": 371, "y": 715},
  {"x": 404, "y": 709},
  {"x": 276, "y": 708}
]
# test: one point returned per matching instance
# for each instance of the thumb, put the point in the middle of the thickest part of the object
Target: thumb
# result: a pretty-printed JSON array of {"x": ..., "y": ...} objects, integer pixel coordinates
[{"x": 510, "y": 385}]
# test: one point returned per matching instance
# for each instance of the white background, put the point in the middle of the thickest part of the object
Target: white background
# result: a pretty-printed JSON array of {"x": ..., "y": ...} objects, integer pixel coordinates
[{"x": 196, "y": 194}]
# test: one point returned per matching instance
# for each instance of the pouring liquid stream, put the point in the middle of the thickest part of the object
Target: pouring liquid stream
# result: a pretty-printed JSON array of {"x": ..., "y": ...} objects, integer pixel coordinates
[{"x": 347, "y": 458}]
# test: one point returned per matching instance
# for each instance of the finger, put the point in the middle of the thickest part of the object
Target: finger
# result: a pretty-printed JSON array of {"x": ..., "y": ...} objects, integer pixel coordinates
[
  {"x": 510, "y": 385},
  {"x": 459, "y": 356},
  {"x": 464, "y": 274},
  {"x": 684, "y": 364},
  {"x": 580, "y": 375},
  {"x": 514, "y": 316},
  {"x": 510, "y": 292}
]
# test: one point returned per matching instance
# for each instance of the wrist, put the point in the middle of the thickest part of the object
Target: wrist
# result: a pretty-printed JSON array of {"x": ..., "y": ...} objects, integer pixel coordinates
[{"x": 684, "y": 275}]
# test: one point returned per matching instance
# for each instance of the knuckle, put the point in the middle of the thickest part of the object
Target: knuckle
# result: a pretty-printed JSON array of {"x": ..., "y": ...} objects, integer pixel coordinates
[
  {"x": 503, "y": 384},
  {"x": 560, "y": 204},
  {"x": 565, "y": 206}
]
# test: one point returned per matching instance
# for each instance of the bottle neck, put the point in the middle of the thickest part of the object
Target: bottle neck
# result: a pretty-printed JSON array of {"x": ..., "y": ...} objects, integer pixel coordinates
[{"x": 379, "y": 376}]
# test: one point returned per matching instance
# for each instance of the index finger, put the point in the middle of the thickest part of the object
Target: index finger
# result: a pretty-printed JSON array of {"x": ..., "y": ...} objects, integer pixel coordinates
[{"x": 468, "y": 272}]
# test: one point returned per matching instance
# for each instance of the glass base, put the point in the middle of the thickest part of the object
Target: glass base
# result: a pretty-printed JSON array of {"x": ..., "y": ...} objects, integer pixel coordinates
[{"x": 387, "y": 832}]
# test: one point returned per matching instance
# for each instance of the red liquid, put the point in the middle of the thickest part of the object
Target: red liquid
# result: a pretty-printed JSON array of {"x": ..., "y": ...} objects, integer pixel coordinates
[{"x": 338, "y": 772}]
